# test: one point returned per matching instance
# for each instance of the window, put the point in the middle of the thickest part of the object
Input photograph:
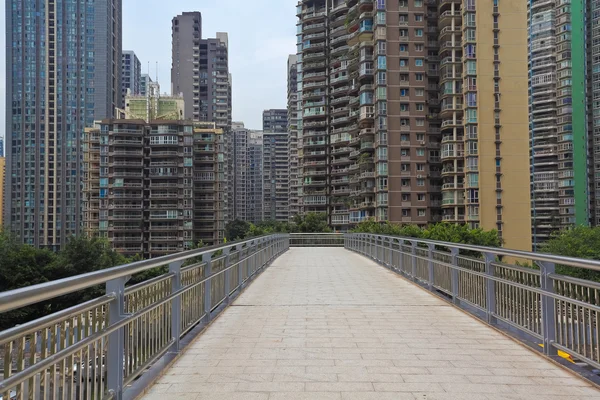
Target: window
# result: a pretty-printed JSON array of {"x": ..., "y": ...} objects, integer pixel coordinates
[
  {"x": 419, "y": 77},
  {"x": 419, "y": 92},
  {"x": 418, "y": 47},
  {"x": 421, "y": 197},
  {"x": 420, "y": 137},
  {"x": 421, "y": 212},
  {"x": 403, "y": 92},
  {"x": 418, "y": 17},
  {"x": 420, "y": 106},
  {"x": 381, "y": 62},
  {"x": 420, "y": 182},
  {"x": 418, "y": 62},
  {"x": 403, "y": 47},
  {"x": 420, "y": 122},
  {"x": 406, "y": 212},
  {"x": 419, "y": 32},
  {"x": 421, "y": 152},
  {"x": 405, "y": 152},
  {"x": 418, "y": 3},
  {"x": 420, "y": 167}
]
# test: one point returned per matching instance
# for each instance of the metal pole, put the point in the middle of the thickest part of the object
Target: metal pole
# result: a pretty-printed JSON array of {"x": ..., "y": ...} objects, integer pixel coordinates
[
  {"x": 414, "y": 259},
  {"x": 207, "y": 260},
  {"x": 175, "y": 269},
  {"x": 548, "y": 308},
  {"x": 490, "y": 288},
  {"x": 454, "y": 274},
  {"x": 227, "y": 285},
  {"x": 116, "y": 340},
  {"x": 431, "y": 279}
]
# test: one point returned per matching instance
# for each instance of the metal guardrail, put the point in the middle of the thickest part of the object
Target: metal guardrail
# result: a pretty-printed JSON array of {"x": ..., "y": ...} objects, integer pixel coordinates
[
  {"x": 316, "y": 240},
  {"x": 67, "y": 355},
  {"x": 559, "y": 312}
]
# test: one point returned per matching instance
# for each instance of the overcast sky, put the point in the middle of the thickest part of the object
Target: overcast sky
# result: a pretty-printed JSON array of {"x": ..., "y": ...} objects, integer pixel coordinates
[{"x": 262, "y": 33}]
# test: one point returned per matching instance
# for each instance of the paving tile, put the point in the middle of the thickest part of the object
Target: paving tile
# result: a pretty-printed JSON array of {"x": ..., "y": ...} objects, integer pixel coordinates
[{"x": 325, "y": 324}]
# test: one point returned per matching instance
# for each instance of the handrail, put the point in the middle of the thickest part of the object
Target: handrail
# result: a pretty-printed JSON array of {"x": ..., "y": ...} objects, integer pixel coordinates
[
  {"x": 556, "y": 311},
  {"x": 501, "y": 251},
  {"x": 22, "y": 297},
  {"x": 129, "y": 328}
]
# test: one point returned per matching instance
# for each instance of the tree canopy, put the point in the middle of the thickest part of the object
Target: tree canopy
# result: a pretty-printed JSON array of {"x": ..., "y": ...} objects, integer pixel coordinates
[{"x": 580, "y": 242}]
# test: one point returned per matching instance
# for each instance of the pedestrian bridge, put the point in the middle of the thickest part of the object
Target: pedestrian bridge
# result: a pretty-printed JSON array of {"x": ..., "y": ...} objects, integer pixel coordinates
[{"x": 352, "y": 316}]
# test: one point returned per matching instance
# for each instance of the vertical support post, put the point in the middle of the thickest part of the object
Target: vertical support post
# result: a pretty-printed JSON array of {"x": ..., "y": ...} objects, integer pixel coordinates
[
  {"x": 116, "y": 340},
  {"x": 401, "y": 255},
  {"x": 430, "y": 266},
  {"x": 227, "y": 284},
  {"x": 414, "y": 259},
  {"x": 207, "y": 261},
  {"x": 490, "y": 288},
  {"x": 175, "y": 269},
  {"x": 392, "y": 254},
  {"x": 243, "y": 252},
  {"x": 454, "y": 275},
  {"x": 548, "y": 307}
]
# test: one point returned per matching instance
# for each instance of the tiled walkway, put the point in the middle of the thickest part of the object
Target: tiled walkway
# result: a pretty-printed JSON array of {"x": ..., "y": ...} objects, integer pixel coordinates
[{"x": 330, "y": 324}]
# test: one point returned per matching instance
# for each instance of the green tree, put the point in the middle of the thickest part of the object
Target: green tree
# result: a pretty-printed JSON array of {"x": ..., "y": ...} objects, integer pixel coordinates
[
  {"x": 580, "y": 242},
  {"x": 236, "y": 230},
  {"x": 20, "y": 266},
  {"x": 79, "y": 256},
  {"x": 311, "y": 223}
]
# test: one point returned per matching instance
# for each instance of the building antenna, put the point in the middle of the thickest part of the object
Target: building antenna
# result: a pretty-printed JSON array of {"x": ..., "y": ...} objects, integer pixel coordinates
[
  {"x": 148, "y": 69},
  {"x": 157, "y": 71}
]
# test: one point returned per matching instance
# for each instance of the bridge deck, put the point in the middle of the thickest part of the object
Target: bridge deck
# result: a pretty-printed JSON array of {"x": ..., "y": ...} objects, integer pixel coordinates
[{"x": 330, "y": 324}]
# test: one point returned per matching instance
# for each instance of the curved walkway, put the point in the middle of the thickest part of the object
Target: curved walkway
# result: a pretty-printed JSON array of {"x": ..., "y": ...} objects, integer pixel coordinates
[{"x": 325, "y": 323}]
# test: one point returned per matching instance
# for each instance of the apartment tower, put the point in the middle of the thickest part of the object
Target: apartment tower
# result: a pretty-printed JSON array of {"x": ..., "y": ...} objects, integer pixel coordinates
[
  {"x": 275, "y": 165},
  {"x": 240, "y": 173},
  {"x": 293, "y": 117},
  {"x": 564, "y": 128},
  {"x": 63, "y": 72},
  {"x": 200, "y": 71},
  {"x": 131, "y": 74},
  {"x": 255, "y": 196},
  {"x": 406, "y": 116},
  {"x": 152, "y": 184}
]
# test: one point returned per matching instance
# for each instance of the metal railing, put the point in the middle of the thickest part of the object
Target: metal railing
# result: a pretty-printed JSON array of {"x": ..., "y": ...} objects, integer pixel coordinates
[
  {"x": 558, "y": 312},
  {"x": 67, "y": 355},
  {"x": 316, "y": 240}
]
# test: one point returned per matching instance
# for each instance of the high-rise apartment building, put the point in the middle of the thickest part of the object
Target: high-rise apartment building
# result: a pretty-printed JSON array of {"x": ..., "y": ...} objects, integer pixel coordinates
[
  {"x": 276, "y": 177},
  {"x": 145, "y": 82},
  {"x": 153, "y": 182},
  {"x": 275, "y": 121},
  {"x": 407, "y": 117},
  {"x": 131, "y": 73},
  {"x": 63, "y": 71},
  {"x": 200, "y": 71},
  {"x": 240, "y": 172},
  {"x": 563, "y": 108},
  {"x": 255, "y": 196},
  {"x": 293, "y": 116},
  {"x": 275, "y": 165}
]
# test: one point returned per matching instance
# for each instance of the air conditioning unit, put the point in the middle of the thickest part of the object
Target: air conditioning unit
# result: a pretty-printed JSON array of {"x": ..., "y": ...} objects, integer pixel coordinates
[
  {"x": 422, "y": 143},
  {"x": 419, "y": 176}
]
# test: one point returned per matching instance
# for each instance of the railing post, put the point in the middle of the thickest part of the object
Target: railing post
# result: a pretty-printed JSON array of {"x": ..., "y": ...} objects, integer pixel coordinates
[
  {"x": 548, "y": 307},
  {"x": 490, "y": 288},
  {"x": 175, "y": 269},
  {"x": 243, "y": 252},
  {"x": 431, "y": 248},
  {"x": 392, "y": 254},
  {"x": 207, "y": 261},
  {"x": 116, "y": 340},
  {"x": 401, "y": 255},
  {"x": 414, "y": 259},
  {"x": 454, "y": 274},
  {"x": 227, "y": 284}
]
